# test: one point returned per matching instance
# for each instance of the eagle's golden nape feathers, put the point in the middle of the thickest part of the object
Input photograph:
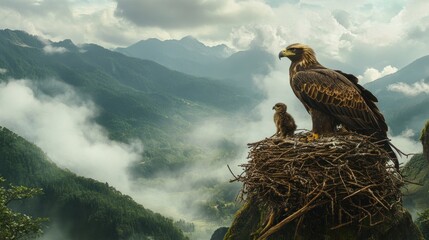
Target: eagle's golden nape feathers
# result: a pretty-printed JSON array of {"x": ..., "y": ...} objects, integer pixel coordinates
[
  {"x": 301, "y": 55},
  {"x": 296, "y": 49}
]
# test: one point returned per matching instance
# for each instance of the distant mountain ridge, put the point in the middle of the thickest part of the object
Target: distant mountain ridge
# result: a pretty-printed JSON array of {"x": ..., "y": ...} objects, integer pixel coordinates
[
  {"x": 137, "y": 98},
  {"x": 404, "y": 111},
  {"x": 188, "y": 47},
  {"x": 143, "y": 99},
  {"x": 185, "y": 55},
  {"x": 193, "y": 57}
]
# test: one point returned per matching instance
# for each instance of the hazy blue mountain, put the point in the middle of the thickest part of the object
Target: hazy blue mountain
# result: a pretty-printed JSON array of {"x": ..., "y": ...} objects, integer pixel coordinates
[
  {"x": 80, "y": 208},
  {"x": 193, "y": 57},
  {"x": 188, "y": 48},
  {"x": 140, "y": 99},
  {"x": 404, "y": 111},
  {"x": 187, "y": 55},
  {"x": 137, "y": 98}
]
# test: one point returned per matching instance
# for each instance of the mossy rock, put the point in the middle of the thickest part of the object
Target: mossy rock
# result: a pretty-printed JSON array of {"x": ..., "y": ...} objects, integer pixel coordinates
[
  {"x": 251, "y": 219},
  {"x": 424, "y": 138},
  {"x": 416, "y": 195},
  {"x": 219, "y": 234}
]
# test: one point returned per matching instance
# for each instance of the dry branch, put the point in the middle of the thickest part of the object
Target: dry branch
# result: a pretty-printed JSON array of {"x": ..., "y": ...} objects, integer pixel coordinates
[{"x": 348, "y": 176}]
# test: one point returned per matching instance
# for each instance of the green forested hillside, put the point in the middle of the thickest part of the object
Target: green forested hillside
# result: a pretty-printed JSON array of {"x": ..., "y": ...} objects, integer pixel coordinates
[
  {"x": 416, "y": 194},
  {"x": 417, "y": 171},
  {"x": 136, "y": 98},
  {"x": 82, "y": 207}
]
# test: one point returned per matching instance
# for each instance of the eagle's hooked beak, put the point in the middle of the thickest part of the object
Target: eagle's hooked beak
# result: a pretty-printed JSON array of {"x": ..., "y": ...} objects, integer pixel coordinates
[
  {"x": 274, "y": 107},
  {"x": 285, "y": 53}
]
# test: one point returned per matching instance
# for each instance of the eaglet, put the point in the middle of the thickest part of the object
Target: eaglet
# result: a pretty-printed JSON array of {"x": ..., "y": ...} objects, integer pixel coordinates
[{"x": 285, "y": 124}]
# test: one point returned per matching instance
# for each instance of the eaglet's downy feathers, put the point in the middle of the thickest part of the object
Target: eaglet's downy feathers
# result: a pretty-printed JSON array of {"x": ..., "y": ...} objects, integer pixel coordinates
[{"x": 285, "y": 124}]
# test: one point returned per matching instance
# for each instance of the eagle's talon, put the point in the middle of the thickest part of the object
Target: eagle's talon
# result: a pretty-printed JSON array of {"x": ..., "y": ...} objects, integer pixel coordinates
[{"x": 313, "y": 137}]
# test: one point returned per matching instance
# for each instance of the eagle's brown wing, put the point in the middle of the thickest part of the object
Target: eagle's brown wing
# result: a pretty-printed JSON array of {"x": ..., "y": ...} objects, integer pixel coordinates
[
  {"x": 334, "y": 94},
  {"x": 365, "y": 93}
]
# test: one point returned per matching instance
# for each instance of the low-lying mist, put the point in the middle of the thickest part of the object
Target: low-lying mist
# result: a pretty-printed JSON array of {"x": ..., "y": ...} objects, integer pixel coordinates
[{"x": 63, "y": 125}]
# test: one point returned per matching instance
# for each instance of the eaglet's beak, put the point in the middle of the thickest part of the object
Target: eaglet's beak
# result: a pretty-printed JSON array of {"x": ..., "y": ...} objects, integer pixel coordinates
[{"x": 285, "y": 53}]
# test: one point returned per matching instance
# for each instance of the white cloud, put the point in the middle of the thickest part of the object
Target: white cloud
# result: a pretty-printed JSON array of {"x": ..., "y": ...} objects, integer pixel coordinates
[
  {"x": 187, "y": 14},
  {"x": 361, "y": 34},
  {"x": 81, "y": 21},
  {"x": 49, "y": 49},
  {"x": 372, "y": 74},
  {"x": 3, "y": 70},
  {"x": 258, "y": 124},
  {"x": 269, "y": 37},
  {"x": 420, "y": 87},
  {"x": 406, "y": 143},
  {"x": 64, "y": 127}
]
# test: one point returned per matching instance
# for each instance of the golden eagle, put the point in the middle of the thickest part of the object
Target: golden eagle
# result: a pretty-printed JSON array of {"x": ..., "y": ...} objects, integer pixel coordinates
[
  {"x": 334, "y": 98},
  {"x": 285, "y": 124}
]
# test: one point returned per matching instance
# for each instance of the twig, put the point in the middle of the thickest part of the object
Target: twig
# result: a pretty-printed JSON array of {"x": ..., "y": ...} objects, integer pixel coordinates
[{"x": 347, "y": 175}]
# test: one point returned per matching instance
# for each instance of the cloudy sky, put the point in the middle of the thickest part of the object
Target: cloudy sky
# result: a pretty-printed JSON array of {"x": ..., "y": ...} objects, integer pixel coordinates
[
  {"x": 359, "y": 35},
  {"x": 369, "y": 38}
]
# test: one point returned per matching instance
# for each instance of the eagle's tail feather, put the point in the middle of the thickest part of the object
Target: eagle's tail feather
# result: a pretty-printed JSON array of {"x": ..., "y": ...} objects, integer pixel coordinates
[{"x": 387, "y": 145}]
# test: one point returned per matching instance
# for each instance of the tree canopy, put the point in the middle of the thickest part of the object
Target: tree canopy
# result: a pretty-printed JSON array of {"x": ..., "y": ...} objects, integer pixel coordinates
[{"x": 14, "y": 225}]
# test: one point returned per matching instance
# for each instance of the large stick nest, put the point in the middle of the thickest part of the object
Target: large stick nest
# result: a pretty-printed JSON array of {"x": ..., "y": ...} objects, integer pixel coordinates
[{"x": 347, "y": 175}]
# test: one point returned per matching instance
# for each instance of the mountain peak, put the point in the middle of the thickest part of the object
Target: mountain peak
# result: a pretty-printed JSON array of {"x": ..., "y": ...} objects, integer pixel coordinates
[
  {"x": 20, "y": 38},
  {"x": 67, "y": 44},
  {"x": 191, "y": 40}
]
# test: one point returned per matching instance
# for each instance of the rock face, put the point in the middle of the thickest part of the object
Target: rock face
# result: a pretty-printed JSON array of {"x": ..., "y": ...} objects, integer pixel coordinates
[
  {"x": 219, "y": 234},
  {"x": 248, "y": 222},
  {"x": 425, "y": 140},
  {"x": 416, "y": 170}
]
